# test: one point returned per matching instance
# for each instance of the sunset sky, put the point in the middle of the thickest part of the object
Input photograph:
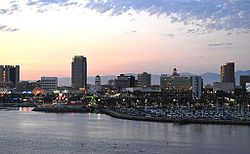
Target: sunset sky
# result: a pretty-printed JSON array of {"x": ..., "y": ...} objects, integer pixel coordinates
[{"x": 120, "y": 36}]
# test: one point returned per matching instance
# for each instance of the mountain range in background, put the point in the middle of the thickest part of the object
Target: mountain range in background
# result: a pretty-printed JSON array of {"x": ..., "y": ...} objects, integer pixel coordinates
[{"x": 208, "y": 78}]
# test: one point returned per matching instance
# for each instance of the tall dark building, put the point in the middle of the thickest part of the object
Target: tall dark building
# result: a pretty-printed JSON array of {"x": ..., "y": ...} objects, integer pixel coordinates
[
  {"x": 227, "y": 72},
  {"x": 79, "y": 72},
  {"x": 9, "y": 75}
]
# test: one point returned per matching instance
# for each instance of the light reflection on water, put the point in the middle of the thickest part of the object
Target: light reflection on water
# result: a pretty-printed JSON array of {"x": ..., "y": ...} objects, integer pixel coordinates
[
  {"x": 24, "y": 131},
  {"x": 26, "y": 109}
]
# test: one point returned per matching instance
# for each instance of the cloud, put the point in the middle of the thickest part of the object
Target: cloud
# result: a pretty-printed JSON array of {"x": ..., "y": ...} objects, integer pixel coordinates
[
  {"x": 69, "y": 3},
  {"x": 204, "y": 15},
  {"x": 3, "y": 11},
  {"x": 229, "y": 33},
  {"x": 130, "y": 32},
  {"x": 202, "y": 57},
  {"x": 49, "y": 2},
  {"x": 219, "y": 44},
  {"x": 168, "y": 35},
  {"x": 11, "y": 29},
  {"x": 46, "y": 5},
  {"x": 7, "y": 29},
  {"x": 2, "y": 27},
  {"x": 10, "y": 7},
  {"x": 134, "y": 31},
  {"x": 213, "y": 15}
]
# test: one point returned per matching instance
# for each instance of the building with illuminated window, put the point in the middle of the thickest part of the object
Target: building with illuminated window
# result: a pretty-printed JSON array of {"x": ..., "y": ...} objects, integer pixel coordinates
[
  {"x": 176, "y": 87},
  {"x": 9, "y": 75}
]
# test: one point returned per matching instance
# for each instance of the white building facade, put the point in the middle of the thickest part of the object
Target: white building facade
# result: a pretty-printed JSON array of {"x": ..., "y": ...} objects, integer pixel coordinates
[{"x": 49, "y": 84}]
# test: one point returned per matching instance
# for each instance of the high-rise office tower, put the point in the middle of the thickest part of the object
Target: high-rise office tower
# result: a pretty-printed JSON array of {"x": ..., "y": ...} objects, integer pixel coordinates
[
  {"x": 10, "y": 74},
  {"x": 79, "y": 72},
  {"x": 227, "y": 72}
]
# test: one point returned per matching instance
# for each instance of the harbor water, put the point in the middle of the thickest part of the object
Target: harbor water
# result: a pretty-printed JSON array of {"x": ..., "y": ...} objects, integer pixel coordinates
[{"x": 24, "y": 131}]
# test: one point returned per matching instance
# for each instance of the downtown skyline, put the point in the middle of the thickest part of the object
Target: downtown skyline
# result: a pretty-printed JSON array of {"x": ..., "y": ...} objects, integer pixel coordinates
[{"x": 124, "y": 36}]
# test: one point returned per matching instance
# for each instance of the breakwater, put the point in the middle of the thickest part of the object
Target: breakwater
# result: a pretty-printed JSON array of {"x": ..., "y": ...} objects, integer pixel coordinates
[
  {"x": 115, "y": 114},
  {"x": 173, "y": 120}
]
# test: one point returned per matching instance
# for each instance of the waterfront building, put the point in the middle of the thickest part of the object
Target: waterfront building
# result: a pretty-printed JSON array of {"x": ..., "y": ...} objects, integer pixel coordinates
[
  {"x": 49, "y": 84},
  {"x": 178, "y": 87},
  {"x": 175, "y": 82},
  {"x": 79, "y": 72},
  {"x": 124, "y": 81},
  {"x": 9, "y": 75},
  {"x": 144, "y": 80},
  {"x": 227, "y": 72},
  {"x": 245, "y": 82},
  {"x": 179, "y": 83}
]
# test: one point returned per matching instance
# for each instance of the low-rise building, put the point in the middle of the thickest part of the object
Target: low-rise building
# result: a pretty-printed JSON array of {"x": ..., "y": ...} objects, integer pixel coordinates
[
  {"x": 245, "y": 82},
  {"x": 226, "y": 87},
  {"x": 124, "y": 81},
  {"x": 49, "y": 84},
  {"x": 144, "y": 80},
  {"x": 26, "y": 86}
]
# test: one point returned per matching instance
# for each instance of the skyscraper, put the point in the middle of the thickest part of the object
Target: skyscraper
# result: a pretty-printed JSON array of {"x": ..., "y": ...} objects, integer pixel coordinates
[
  {"x": 9, "y": 74},
  {"x": 79, "y": 72},
  {"x": 227, "y": 72}
]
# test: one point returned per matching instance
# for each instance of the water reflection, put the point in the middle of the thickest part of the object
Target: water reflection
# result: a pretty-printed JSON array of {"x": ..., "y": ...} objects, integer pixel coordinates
[{"x": 26, "y": 109}]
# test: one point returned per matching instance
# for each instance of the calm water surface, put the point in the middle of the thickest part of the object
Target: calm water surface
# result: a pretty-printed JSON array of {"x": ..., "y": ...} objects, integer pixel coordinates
[{"x": 35, "y": 132}]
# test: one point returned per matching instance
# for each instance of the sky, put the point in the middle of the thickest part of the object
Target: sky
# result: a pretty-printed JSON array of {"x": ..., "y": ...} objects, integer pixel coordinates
[{"x": 124, "y": 36}]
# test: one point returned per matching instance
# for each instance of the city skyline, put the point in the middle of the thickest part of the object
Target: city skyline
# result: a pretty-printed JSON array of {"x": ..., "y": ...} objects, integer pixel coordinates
[{"x": 124, "y": 36}]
